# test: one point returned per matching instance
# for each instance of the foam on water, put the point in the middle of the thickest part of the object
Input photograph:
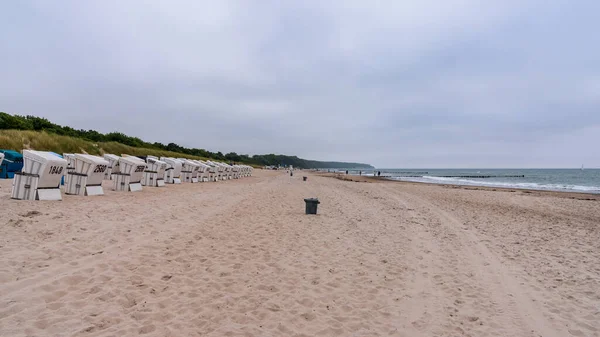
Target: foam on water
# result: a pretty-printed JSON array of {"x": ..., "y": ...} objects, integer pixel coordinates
[
  {"x": 565, "y": 180},
  {"x": 518, "y": 185}
]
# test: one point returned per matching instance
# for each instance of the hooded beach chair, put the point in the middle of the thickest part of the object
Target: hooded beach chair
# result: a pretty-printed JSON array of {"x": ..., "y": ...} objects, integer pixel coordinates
[
  {"x": 12, "y": 163},
  {"x": 86, "y": 177},
  {"x": 113, "y": 166},
  {"x": 40, "y": 177},
  {"x": 154, "y": 175},
  {"x": 131, "y": 172},
  {"x": 173, "y": 171}
]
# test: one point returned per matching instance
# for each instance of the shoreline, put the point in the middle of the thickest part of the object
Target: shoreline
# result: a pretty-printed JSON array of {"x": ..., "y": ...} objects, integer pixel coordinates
[{"x": 562, "y": 194}]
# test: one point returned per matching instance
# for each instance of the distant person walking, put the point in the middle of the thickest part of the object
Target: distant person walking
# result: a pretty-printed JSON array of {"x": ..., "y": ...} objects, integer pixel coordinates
[
  {"x": 360, "y": 173},
  {"x": 378, "y": 173}
]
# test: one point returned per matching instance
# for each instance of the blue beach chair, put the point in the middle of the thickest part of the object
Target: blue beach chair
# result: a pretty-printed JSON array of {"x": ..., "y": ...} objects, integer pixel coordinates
[{"x": 12, "y": 163}]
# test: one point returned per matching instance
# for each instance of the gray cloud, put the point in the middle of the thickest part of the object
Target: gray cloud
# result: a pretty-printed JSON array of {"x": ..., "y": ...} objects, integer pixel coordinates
[{"x": 460, "y": 83}]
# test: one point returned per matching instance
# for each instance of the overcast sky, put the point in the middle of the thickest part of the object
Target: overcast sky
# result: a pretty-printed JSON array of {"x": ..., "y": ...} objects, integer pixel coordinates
[{"x": 428, "y": 83}]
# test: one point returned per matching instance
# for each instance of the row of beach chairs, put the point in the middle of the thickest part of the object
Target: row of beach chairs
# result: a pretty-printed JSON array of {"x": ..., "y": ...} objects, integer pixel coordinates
[{"x": 43, "y": 173}]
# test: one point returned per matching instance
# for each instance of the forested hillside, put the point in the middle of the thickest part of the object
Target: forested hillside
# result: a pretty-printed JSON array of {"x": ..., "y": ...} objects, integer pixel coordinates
[{"x": 74, "y": 140}]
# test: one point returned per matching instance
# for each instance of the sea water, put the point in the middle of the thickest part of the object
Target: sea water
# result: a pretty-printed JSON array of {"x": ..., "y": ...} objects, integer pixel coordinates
[{"x": 571, "y": 180}]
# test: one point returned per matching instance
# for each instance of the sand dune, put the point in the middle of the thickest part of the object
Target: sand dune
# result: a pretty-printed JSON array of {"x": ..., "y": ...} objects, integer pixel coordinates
[{"x": 239, "y": 258}]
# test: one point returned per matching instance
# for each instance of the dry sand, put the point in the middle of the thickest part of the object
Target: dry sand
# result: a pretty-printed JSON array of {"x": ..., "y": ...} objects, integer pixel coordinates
[{"x": 239, "y": 258}]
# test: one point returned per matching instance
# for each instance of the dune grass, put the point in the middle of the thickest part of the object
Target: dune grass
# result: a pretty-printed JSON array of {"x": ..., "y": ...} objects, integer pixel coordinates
[{"x": 18, "y": 140}]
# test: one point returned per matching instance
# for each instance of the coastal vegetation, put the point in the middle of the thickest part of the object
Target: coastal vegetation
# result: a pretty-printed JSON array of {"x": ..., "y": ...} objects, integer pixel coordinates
[{"x": 18, "y": 132}]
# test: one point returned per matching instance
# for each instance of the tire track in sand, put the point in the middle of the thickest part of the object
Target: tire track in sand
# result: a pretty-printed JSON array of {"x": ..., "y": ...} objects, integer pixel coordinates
[{"x": 490, "y": 289}]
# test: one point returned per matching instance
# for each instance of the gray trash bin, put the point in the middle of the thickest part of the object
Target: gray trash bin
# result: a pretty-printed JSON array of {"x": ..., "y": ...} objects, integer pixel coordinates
[{"x": 311, "y": 205}]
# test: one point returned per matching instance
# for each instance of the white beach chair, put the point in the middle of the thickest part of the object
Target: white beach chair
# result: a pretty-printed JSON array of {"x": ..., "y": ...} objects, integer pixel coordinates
[
  {"x": 237, "y": 171},
  {"x": 154, "y": 175},
  {"x": 113, "y": 165},
  {"x": 131, "y": 171},
  {"x": 40, "y": 177},
  {"x": 228, "y": 171},
  {"x": 248, "y": 171},
  {"x": 189, "y": 170},
  {"x": 225, "y": 174},
  {"x": 70, "y": 157},
  {"x": 213, "y": 172},
  {"x": 202, "y": 171},
  {"x": 219, "y": 170},
  {"x": 86, "y": 176},
  {"x": 173, "y": 171},
  {"x": 196, "y": 171}
]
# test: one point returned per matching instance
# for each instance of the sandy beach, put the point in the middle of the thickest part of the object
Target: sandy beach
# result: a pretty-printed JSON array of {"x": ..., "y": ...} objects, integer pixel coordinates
[{"x": 240, "y": 258}]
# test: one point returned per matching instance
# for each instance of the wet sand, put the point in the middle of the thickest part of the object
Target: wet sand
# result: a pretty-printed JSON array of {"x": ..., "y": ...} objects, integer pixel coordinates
[{"x": 240, "y": 258}]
